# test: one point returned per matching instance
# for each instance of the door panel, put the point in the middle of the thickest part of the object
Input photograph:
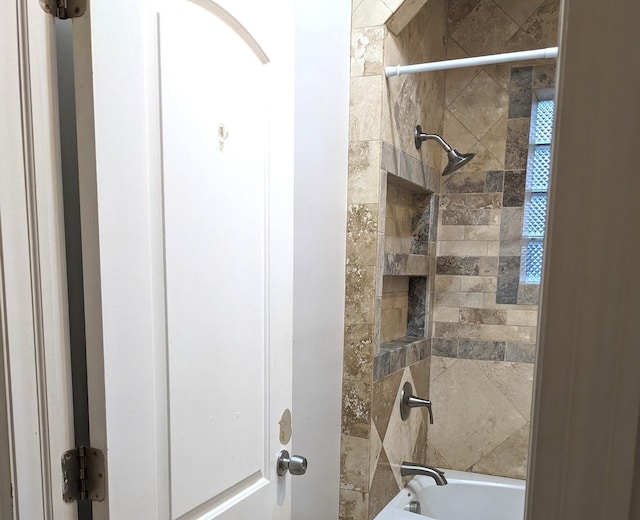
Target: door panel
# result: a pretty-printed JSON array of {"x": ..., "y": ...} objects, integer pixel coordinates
[
  {"x": 215, "y": 174},
  {"x": 185, "y": 113}
]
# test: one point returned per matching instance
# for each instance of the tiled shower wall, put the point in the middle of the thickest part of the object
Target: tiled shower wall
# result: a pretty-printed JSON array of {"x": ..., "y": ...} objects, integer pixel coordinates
[
  {"x": 481, "y": 401},
  {"x": 390, "y": 245},
  {"x": 484, "y": 323}
]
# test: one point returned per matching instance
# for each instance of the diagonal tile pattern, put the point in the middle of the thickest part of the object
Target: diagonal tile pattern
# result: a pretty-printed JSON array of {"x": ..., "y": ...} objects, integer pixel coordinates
[{"x": 474, "y": 417}]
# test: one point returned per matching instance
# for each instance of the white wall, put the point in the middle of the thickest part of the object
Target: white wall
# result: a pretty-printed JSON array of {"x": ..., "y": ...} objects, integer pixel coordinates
[
  {"x": 321, "y": 135},
  {"x": 587, "y": 393}
]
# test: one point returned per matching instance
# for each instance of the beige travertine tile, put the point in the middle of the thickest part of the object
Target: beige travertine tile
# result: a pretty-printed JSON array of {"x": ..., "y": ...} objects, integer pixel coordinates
[
  {"x": 459, "y": 299},
  {"x": 433, "y": 458},
  {"x": 482, "y": 232},
  {"x": 401, "y": 436},
  {"x": 354, "y": 463},
  {"x": 474, "y": 417},
  {"x": 451, "y": 232},
  {"x": 456, "y": 134},
  {"x": 393, "y": 244},
  {"x": 404, "y": 14},
  {"x": 462, "y": 248},
  {"x": 485, "y": 30},
  {"x": 364, "y": 172},
  {"x": 439, "y": 365},
  {"x": 421, "y": 373},
  {"x": 394, "y": 324},
  {"x": 394, "y": 301},
  {"x": 370, "y": 13},
  {"x": 456, "y": 80},
  {"x": 484, "y": 160},
  {"x": 365, "y": 108},
  {"x": 493, "y": 248},
  {"x": 514, "y": 380},
  {"x": 489, "y": 267},
  {"x": 494, "y": 217},
  {"x": 374, "y": 451},
  {"x": 356, "y": 406},
  {"x": 383, "y": 486},
  {"x": 479, "y": 284},
  {"x": 358, "y": 351},
  {"x": 395, "y": 284},
  {"x": 367, "y": 49},
  {"x": 384, "y": 394},
  {"x": 354, "y": 505},
  {"x": 446, "y": 314},
  {"x": 393, "y": 5},
  {"x": 481, "y": 105},
  {"x": 495, "y": 140},
  {"x": 362, "y": 234},
  {"x": 448, "y": 283},
  {"x": 509, "y": 459},
  {"x": 522, "y": 317},
  {"x": 519, "y": 10},
  {"x": 506, "y": 333},
  {"x": 359, "y": 294}
]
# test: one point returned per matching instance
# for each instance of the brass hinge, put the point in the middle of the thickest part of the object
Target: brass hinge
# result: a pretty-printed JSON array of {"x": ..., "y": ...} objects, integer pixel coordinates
[
  {"x": 64, "y": 9},
  {"x": 83, "y": 475}
]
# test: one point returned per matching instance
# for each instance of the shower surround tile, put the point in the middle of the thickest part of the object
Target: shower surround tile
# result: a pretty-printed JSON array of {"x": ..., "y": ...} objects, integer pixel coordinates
[
  {"x": 517, "y": 144},
  {"x": 354, "y": 463},
  {"x": 354, "y": 505},
  {"x": 367, "y": 49},
  {"x": 509, "y": 459},
  {"x": 370, "y": 13},
  {"x": 514, "y": 380},
  {"x": 519, "y": 10},
  {"x": 485, "y": 29},
  {"x": 364, "y": 172},
  {"x": 491, "y": 98},
  {"x": 474, "y": 416}
]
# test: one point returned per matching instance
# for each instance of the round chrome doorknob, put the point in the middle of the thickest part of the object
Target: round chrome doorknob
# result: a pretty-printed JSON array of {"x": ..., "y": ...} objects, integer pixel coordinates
[{"x": 294, "y": 464}]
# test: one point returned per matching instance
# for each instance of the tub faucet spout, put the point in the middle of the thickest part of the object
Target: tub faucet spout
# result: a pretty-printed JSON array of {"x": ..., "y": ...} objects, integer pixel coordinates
[{"x": 411, "y": 468}]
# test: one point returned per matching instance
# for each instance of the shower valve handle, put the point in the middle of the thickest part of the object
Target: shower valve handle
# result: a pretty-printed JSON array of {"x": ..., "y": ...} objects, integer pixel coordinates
[
  {"x": 409, "y": 401},
  {"x": 417, "y": 402}
]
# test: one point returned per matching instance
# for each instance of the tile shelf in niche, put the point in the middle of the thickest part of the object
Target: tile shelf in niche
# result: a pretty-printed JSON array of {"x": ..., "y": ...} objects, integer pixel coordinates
[
  {"x": 402, "y": 264},
  {"x": 398, "y": 354}
]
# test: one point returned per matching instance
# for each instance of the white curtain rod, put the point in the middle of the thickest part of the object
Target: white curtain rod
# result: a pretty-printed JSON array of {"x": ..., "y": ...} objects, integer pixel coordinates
[{"x": 550, "y": 52}]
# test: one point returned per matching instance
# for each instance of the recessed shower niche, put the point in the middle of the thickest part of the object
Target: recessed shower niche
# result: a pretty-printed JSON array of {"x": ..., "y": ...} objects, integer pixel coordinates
[{"x": 406, "y": 273}]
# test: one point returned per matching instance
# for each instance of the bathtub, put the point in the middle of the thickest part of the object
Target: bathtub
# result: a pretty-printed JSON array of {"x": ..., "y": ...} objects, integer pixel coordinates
[{"x": 467, "y": 496}]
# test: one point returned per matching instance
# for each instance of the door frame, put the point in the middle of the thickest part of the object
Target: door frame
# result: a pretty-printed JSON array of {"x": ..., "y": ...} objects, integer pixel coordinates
[
  {"x": 587, "y": 387},
  {"x": 33, "y": 300},
  {"x": 36, "y": 157}
]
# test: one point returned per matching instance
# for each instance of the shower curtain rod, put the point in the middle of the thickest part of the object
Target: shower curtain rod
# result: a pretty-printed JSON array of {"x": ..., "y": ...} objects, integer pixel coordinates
[{"x": 550, "y": 52}]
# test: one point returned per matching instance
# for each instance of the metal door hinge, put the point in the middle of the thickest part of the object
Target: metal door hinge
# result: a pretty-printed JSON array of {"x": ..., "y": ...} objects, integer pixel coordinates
[
  {"x": 83, "y": 475},
  {"x": 64, "y": 9}
]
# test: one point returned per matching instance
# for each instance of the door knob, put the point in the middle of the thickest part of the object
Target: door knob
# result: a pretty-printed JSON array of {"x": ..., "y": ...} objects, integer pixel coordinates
[
  {"x": 294, "y": 464},
  {"x": 408, "y": 401}
]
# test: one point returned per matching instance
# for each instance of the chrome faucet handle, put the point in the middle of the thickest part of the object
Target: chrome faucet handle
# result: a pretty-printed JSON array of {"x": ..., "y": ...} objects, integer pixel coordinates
[{"x": 408, "y": 401}]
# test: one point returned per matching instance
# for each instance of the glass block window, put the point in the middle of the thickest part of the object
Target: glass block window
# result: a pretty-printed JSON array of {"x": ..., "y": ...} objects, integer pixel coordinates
[{"x": 535, "y": 208}]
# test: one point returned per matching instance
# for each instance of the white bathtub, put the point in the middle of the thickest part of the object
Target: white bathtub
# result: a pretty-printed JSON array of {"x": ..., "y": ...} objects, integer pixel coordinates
[{"x": 467, "y": 496}]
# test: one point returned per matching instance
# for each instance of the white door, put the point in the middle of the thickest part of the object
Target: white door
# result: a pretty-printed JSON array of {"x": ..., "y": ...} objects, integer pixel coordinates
[{"x": 185, "y": 128}]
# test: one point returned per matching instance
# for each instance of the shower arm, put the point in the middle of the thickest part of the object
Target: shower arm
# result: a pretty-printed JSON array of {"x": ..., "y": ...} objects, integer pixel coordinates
[
  {"x": 423, "y": 137},
  {"x": 420, "y": 136}
]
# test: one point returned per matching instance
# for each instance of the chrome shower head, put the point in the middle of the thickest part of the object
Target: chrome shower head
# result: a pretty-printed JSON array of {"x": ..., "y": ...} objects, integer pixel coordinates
[{"x": 456, "y": 159}]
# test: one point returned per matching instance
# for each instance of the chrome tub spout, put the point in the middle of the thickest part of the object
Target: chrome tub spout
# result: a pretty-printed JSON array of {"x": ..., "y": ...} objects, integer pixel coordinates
[{"x": 410, "y": 468}]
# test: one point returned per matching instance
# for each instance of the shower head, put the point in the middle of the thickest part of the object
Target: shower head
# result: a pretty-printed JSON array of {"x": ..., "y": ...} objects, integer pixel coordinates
[{"x": 456, "y": 159}]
